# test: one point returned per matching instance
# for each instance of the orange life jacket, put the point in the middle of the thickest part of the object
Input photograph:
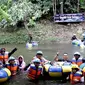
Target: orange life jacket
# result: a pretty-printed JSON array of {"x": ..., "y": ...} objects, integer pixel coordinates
[
  {"x": 13, "y": 68},
  {"x": 77, "y": 76},
  {"x": 33, "y": 73},
  {"x": 78, "y": 62},
  {"x": 3, "y": 58}
]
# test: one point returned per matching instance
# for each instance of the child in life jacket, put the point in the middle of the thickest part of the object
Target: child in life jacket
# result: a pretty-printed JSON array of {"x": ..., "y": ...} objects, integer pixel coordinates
[
  {"x": 12, "y": 66},
  {"x": 35, "y": 70},
  {"x": 76, "y": 75},
  {"x": 21, "y": 63}
]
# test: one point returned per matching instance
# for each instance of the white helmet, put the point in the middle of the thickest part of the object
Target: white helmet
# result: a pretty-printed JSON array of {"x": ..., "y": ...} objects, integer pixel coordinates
[
  {"x": 11, "y": 58},
  {"x": 36, "y": 60},
  {"x": 40, "y": 52},
  {"x": 74, "y": 34},
  {"x": 77, "y": 53}
]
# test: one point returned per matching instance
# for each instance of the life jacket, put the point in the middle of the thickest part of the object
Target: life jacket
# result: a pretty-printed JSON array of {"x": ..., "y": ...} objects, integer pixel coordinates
[
  {"x": 4, "y": 58},
  {"x": 34, "y": 73},
  {"x": 78, "y": 62},
  {"x": 77, "y": 76},
  {"x": 13, "y": 68}
]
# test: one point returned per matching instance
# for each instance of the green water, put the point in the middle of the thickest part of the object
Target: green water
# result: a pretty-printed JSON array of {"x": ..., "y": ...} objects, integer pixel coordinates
[{"x": 49, "y": 51}]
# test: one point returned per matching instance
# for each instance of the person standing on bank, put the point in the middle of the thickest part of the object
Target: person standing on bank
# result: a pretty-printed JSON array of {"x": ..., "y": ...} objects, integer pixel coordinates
[{"x": 30, "y": 37}]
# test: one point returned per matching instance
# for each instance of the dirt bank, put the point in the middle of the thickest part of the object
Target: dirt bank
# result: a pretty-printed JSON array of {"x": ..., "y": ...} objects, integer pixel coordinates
[{"x": 50, "y": 32}]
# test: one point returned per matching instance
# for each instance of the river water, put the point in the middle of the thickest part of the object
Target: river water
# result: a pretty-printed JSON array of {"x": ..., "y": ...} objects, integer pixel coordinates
[{"x": 49, "y": 51}]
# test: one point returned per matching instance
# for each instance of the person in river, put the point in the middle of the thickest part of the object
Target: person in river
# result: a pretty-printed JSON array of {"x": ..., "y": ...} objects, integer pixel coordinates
[
  {"x": 77, "y": 59},
  {"x": 76, "y": 75},
  {"x": 35, "y": 70},
  {"x": 83, "y": 64},
  {"x": 83, "y": 37},
  {"x": 30, "y": 37},
  {"x": 21, "y": 63},
  {"x": 12, "y": 66},
  {"x": 64, "y": 60},
  {"x": 55, "y": 60},
  {"x": 4, "y": 55},
  {"x": 39, "y": 55},
  {"x": 74, "y": 37}
]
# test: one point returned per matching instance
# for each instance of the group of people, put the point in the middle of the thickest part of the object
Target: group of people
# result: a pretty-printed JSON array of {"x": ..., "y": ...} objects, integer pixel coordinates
[
  {"x": 8, "y": 61},
  {"x": 35, "y": 67},
  {"x": 78, "y": 63}
]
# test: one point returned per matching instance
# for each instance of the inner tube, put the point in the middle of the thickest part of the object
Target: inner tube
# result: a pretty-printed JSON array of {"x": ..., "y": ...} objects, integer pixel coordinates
[
  {"x": 55, "y": 71},
  {"x": 4, "y": 74},
  {"x": 59, "y": 70}
]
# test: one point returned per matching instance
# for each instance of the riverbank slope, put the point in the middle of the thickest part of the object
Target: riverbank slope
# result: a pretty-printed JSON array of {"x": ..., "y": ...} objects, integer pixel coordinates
[{"x": 45, "y": 32}]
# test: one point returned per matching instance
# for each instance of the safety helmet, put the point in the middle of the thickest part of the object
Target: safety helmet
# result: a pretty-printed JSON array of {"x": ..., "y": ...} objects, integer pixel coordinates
[
  {"x": 77, "y": 53},
  {"x": 40, "y": 52},
  {"x": 74, "y": 34},
  {"x": 65, "y": 54},
  {"x": 11, "y": 58},
  {"x": 36, "y": 60},
  {"x": 74, "y": 66}
]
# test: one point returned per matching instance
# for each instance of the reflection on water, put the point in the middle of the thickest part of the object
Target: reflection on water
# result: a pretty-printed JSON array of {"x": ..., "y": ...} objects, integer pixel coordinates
[{"x": 49, "y": 51}]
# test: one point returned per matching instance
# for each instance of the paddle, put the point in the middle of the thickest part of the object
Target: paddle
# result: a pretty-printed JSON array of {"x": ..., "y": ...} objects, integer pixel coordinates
[
  {"x": 26, "y": 67},
  {"x": 10, "y": 53}
]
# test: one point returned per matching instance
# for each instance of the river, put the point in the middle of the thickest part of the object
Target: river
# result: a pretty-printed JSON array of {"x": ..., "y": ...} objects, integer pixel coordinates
[{"x": 49, "y": 51}]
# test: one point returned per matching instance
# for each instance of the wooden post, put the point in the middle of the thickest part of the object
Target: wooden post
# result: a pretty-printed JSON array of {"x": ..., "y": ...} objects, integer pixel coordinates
[
  {"x": 78, "y": 3},
  {"x": 61, "y": 8},
  {"x": 54, "y": 7}
]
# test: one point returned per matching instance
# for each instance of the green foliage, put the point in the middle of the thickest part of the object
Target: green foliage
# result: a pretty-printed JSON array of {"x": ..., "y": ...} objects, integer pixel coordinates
[
  {"x": 12, "y": 11},
  {"x": 23, "y": 10},
  {"x": 82, "y": 5},
  {"x": 16, "y": 37}
]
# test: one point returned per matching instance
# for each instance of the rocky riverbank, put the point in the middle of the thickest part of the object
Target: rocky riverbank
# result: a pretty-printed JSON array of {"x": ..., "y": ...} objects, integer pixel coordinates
[{"x": 50, "y": 32}]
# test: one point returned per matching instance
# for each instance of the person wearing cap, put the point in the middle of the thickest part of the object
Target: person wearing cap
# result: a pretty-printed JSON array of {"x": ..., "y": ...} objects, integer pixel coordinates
[
  {"x": 39, "y": 55},
  {"x": 12, "y": 65},
  {"x": 74, "y": 37},
  {"x": 21, "y": 63},
  {"x": 65, "y": 58},
  {"x": 35, "y": 70},
  {"x": 4, "y": 55},
  {"x": 77, "y": 59},
  {"x": 76, "y": 75}
]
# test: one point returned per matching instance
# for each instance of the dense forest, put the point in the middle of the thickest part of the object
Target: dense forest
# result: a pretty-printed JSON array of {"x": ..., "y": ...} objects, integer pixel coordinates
[{"x": 13, "y": 13}]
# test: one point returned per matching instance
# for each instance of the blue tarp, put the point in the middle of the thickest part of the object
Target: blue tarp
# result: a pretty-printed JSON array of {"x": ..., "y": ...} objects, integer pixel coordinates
[{"x": 77, "y": 17}]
